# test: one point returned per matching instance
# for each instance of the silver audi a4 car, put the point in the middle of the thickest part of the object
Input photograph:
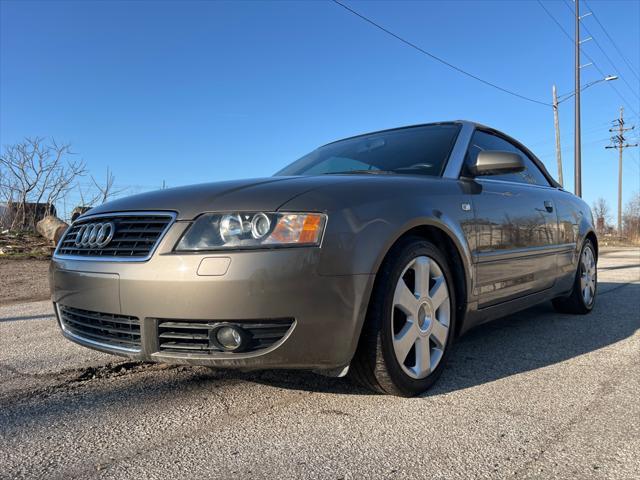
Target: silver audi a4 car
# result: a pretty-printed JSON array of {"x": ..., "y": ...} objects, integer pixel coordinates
[{"x": 368, "y": 256}]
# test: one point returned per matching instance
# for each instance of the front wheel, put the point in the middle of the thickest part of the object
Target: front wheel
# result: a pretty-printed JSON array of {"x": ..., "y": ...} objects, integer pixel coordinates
[
  {"x": 585, "y": 286},
  {"x": 410, "y": 323}
]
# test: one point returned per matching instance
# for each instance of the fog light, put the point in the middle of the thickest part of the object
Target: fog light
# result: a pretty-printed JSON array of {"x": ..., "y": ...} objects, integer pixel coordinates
[{"x": 230, "y": 338}]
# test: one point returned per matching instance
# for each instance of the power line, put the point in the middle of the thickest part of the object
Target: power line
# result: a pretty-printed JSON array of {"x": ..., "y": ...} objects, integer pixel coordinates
[
  {"x": 595, "y": 40},
  {"x": 438, "y": 59},
  {"x": 568, "y": 149},
  {"x": 617, "y": 92},
  {"x": 586, "y": 55},
  {"x": 592, "y": 129},
  {"x": 611, "y": 40},
  {"x": 567, "y": 34},
  {"x": 595, "y": 65}
]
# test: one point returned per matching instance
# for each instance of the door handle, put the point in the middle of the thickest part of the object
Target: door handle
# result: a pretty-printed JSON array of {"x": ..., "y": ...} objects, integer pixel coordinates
[{"x": 548, "y": 205}]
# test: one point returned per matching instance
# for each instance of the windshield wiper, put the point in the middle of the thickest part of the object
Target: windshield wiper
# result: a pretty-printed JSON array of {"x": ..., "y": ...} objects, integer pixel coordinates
[{"x": 355, "y": 172}]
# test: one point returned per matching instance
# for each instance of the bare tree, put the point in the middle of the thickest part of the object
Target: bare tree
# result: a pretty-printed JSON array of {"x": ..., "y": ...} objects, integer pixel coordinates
[
  {"x": 36, "y": 174},
  {"x": 7, "y": 187},
  {"x": 96, "y": 193},
  {"x": 631, "y": 218},
  {"x": 106, "y": 190},
  {"x": 602, "y": 212},
  {"x": 100, "y": 192},
  {"x": 7, "y": 195}
]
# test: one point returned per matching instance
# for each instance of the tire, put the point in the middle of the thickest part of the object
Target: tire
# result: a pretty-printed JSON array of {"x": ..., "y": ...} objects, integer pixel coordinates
[
  {"x": 402, "y": 323},
  {"x": 585, "y": 286}
]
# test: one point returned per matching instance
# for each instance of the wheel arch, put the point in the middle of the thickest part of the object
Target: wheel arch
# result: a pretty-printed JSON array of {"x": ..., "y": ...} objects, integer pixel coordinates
[
  {"x": 594, "y": 240},
  {"x": 457, "y": 254}
]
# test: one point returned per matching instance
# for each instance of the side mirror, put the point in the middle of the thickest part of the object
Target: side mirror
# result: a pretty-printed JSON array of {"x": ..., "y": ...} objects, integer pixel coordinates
[{"x": 492, "y": 162}]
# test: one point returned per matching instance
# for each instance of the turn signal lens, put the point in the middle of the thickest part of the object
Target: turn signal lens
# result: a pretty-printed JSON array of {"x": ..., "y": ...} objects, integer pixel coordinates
[
  {"x": 297, "y": 229},
  {"x": 311, "y": 229}
]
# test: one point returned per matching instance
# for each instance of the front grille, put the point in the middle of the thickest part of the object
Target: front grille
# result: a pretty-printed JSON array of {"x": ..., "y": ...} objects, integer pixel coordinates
[
  {"x": 135, "y": 236},
  {"x": 106, "y": 328},
  {"x": 194, "y": 336}
]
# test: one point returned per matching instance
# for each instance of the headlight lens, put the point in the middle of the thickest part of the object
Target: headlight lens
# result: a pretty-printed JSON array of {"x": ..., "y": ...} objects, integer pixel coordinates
[
  {"x": 260, "y": 225},
  {"x": 214, "y": 231}
]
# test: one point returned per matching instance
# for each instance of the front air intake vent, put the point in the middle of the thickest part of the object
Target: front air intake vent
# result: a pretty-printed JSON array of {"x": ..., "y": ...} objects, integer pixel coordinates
[{"x": 107, "y": 329}]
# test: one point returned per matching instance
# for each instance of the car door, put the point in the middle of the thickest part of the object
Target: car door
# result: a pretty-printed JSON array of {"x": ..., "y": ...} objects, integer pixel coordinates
[{"x": 516, "y": 227}]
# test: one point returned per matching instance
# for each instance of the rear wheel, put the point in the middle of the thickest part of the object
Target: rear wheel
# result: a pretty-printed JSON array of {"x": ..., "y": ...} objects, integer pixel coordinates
[
  {"x": 410, "y": 323},
  {"x": 583, "y": 295}
]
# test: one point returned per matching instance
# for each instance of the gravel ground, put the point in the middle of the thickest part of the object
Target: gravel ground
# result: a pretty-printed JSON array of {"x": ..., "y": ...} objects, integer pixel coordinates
[
  {"x": 535, "y": 395},
  {"x": 23, "y": 280}
]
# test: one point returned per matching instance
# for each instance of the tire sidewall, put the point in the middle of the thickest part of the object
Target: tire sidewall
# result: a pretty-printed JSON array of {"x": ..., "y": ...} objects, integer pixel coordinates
[{"x": 413, "y": 249}]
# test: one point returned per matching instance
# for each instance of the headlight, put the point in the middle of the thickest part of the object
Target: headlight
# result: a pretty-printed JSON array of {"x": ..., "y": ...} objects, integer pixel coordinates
[{"x": 214, "y": 231}]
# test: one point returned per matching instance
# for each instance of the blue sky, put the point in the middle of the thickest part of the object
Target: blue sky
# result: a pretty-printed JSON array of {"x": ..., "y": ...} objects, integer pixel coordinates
[{"x": 188, "y": 92}]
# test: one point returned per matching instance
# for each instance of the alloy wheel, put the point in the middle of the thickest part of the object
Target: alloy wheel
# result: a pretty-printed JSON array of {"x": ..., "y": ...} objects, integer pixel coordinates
[
  {"x": 588, "y": 276},
  {"x": 421, "y": 317}
]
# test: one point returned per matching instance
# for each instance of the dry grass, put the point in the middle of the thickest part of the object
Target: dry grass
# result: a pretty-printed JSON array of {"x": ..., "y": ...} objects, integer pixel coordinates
[{"x": 24, "y": 245}]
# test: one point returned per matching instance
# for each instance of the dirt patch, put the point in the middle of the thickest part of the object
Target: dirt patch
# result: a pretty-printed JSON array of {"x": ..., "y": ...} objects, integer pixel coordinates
[
  {"x": 24, "y": 245},
  {"x": 23, "y": 280},
  {"x": 69, "y": 379}
]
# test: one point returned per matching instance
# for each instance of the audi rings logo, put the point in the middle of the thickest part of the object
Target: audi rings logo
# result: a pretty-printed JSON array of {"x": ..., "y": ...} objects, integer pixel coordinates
[{"x": 95, "y": 235}]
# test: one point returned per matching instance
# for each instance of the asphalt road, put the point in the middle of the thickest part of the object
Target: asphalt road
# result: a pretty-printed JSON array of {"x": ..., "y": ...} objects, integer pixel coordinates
[{"x": 535, "y": 395}]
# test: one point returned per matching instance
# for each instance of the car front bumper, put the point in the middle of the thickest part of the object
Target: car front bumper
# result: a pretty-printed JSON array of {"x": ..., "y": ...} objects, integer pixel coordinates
[{"x": 243, "y": 286}]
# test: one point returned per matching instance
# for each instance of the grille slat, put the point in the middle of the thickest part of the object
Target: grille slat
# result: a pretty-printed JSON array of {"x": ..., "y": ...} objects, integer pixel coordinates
[
  {"x": 184, "y": 325},
  {"x": 180, "y": 335},
  {"x": 149, "y": 231},
  {"x": 133, "y": 239},
  {"x": 109, "y": 329},
  {"x": 107, "y": 339},
  {"x": 195, "y": 336},
  {"x": 267, "y": 336},
  {"x": 101, "y": 317},
  {"x": 81, "y": 324},
  {"x": 138, "y": 221},
  {"x": 135, "y": 236},
  {"x": 184, "y": 346}
]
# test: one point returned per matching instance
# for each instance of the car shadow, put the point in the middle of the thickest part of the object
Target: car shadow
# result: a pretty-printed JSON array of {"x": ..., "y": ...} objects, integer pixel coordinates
[
  {"x": 531, "y": 339},
  {"x": 539, "y": 337}
]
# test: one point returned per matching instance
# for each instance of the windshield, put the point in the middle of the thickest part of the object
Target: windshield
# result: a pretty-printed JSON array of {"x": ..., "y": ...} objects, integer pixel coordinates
[{"x": 416, "y": 150}]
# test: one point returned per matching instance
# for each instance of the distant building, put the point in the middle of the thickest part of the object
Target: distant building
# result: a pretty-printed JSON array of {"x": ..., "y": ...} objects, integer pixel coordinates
[{"x": 10, "y": 211}]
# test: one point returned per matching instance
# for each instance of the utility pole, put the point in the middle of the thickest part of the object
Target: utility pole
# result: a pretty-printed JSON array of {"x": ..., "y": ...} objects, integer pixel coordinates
[
  {"x": 556, "y": 121},
  {"x": 620, "y": 142},
  {"x": 577, "y": 144},
  {"x": 556, "y": 124}
]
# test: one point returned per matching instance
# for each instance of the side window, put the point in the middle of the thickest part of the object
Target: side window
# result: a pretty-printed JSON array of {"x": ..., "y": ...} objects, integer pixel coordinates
[{"x": 486, "y": 141}]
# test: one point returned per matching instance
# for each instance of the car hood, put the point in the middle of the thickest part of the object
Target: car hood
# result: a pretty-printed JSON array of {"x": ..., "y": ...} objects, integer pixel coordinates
[{"x": 266, "y": 194}]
